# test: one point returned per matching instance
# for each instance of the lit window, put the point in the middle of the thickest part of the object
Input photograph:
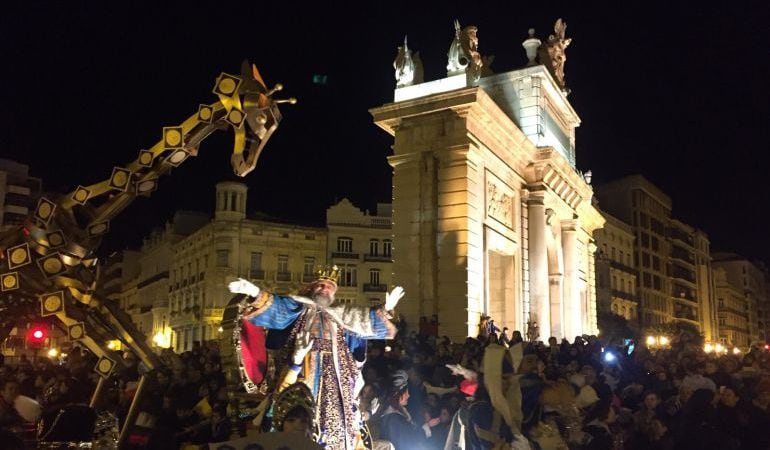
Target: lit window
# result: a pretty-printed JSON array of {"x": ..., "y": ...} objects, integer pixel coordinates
[
  {"x": 309, "y": 265},
  {"x": 344, "y": 245},
  {"x": 348, "y": 275},
  {"x": 283, "y": 263},
  {"x": 256, "y": 264}
]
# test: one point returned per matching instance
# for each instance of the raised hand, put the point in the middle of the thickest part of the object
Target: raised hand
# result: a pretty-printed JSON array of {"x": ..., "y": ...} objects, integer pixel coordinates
[
  {"x": 241, "y": 286},
  {"x": 462, "y": 371},
  {"x": 392, "y": 298},
  {"x": 303, "y": 344}
]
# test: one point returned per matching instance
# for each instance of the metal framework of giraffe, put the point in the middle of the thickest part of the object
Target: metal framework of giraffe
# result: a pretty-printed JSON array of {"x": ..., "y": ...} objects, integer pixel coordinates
[{"x": 50, "y": 260}]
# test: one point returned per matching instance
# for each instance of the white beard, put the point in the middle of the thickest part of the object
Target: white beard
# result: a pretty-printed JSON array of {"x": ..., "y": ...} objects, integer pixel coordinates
[{"x": 323, "y": 300}]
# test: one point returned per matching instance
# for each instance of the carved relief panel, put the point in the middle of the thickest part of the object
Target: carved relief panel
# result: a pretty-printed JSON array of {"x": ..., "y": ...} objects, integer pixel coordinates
[{"x": 499, "y": 201}]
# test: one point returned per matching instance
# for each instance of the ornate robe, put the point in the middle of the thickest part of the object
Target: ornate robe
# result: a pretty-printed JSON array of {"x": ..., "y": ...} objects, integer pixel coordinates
[{"x": 331, "y": 371}]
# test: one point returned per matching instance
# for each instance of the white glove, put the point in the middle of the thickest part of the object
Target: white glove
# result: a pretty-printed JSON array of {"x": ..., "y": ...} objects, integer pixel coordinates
[
  {"x": 304, "y": 343},
  {"x": 242, "y": 286},
  {"x": 392, "y": 298},
  {"x": 462, "y": 371}
]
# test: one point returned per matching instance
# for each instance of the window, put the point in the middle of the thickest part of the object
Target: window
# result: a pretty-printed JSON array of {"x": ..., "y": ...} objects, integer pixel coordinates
[
  {"x": 283, "y": 263},
  {"x": 657, "y": 226},
  {"x": 344, "y": 245},
  {"x": 309, "y": 265},
  {"x": 645, "y": 260},
  {"x": 374, "y": 277},
  {"x": 721, "y": 303},
  {"x": 374, "y": 247},
  {"x": 223, "y": 258},
  {"x": 644, "y": 220},
  {"x": 646, "y": 280},
  {"x": 348, "y": 275},
  {"x": 656, "y": 263},
  {"x": 614, "y": 281},
  {"x": 655, "y": 243},
  {"x": 256, "y": 264},
  {"x": 612, "y": 256},
  {"x": 645, "y": 240},
  {"x": 387, "y": 248},
  {"x": 656, "y": 282}
]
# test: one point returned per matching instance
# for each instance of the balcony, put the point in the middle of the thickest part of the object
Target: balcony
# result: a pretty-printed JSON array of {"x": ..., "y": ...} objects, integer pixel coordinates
[
  {"x": 257, "y": 274},
  {"x": 682, "y": 274},
  {"x": 624, "y": 295},
  {"x": 213, "y": 312},
  {"x": 378, "y": 258},
  {"x": 345, "y": 255},
  {"x": 283, "y": 276},
  {"x": 622, "y": 267},
  {"x": 680, "y": 254},
  {"x": 368, "y": 287},
  {"x": 685, "y": 313},
  {"x": 308, "y": 277}
]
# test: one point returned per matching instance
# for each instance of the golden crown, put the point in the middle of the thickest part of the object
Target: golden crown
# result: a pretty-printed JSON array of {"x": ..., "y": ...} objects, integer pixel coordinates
[{"x": 328, "y": 273}]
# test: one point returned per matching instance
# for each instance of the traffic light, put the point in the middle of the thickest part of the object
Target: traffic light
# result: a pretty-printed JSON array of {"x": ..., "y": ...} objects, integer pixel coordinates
[{"x": 36, "y": 335}]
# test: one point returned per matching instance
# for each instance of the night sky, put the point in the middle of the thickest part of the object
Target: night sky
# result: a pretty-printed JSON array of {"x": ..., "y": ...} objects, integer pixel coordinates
[{"x": 677, "y": 93}]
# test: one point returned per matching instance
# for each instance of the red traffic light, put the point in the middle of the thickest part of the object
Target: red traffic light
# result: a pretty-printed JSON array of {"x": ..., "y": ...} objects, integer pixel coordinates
[{"x": 37, "y": 334}]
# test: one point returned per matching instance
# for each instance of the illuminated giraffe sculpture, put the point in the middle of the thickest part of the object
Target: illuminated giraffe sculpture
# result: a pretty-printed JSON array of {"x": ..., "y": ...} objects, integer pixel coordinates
[{"x": 50, "y": 259}]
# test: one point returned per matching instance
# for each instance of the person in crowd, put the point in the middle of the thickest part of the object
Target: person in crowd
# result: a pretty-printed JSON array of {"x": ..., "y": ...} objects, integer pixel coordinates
[
  {"x": 597, "y": 426},
  {"x": 394, "y": 424}
]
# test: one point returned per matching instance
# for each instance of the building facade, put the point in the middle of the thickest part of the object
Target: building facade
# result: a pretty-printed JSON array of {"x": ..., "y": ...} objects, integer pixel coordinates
[
  {"x": 616, "y": 283},
  {"x": 671, "y": 258},
  {"x": 275, "y": 256},
  {"x": 19, "y": 193},
  {"x": 732, "y": 311},
  {"x": 750, "y": 280},
  {"x": 361, "y": 245},
  {"x": 175, "y": 287},
  {"x": 490, "y": 216}
]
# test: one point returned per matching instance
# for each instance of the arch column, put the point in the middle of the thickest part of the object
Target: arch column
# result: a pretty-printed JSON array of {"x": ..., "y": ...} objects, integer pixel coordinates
[
  {"x": 572, "y": 314},
  {"x": 540, "y": 307}
]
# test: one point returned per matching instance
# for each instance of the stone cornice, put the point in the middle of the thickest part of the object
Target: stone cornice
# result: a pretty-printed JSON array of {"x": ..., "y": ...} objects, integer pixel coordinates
[
  {"x": 552, "y": 170},
  {"x": 389, "y": 116}
]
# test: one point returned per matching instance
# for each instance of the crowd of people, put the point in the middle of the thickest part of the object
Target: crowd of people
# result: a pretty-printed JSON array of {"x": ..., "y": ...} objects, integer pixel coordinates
[
  {"x": 421, "y": 391},
  {"x": 425, "y": 392}
]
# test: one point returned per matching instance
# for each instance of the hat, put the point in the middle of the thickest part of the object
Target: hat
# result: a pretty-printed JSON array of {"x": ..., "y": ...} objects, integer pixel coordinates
[
  {"x": 296, "y": 395},
  {"x": 328, "y": 273},
  {"x": 398, "y": 382},
  {"x": 468, "y": 387}
]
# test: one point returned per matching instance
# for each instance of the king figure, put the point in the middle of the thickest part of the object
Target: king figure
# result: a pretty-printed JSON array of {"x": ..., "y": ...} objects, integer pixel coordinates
[{"x": 331, "y": 367}]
